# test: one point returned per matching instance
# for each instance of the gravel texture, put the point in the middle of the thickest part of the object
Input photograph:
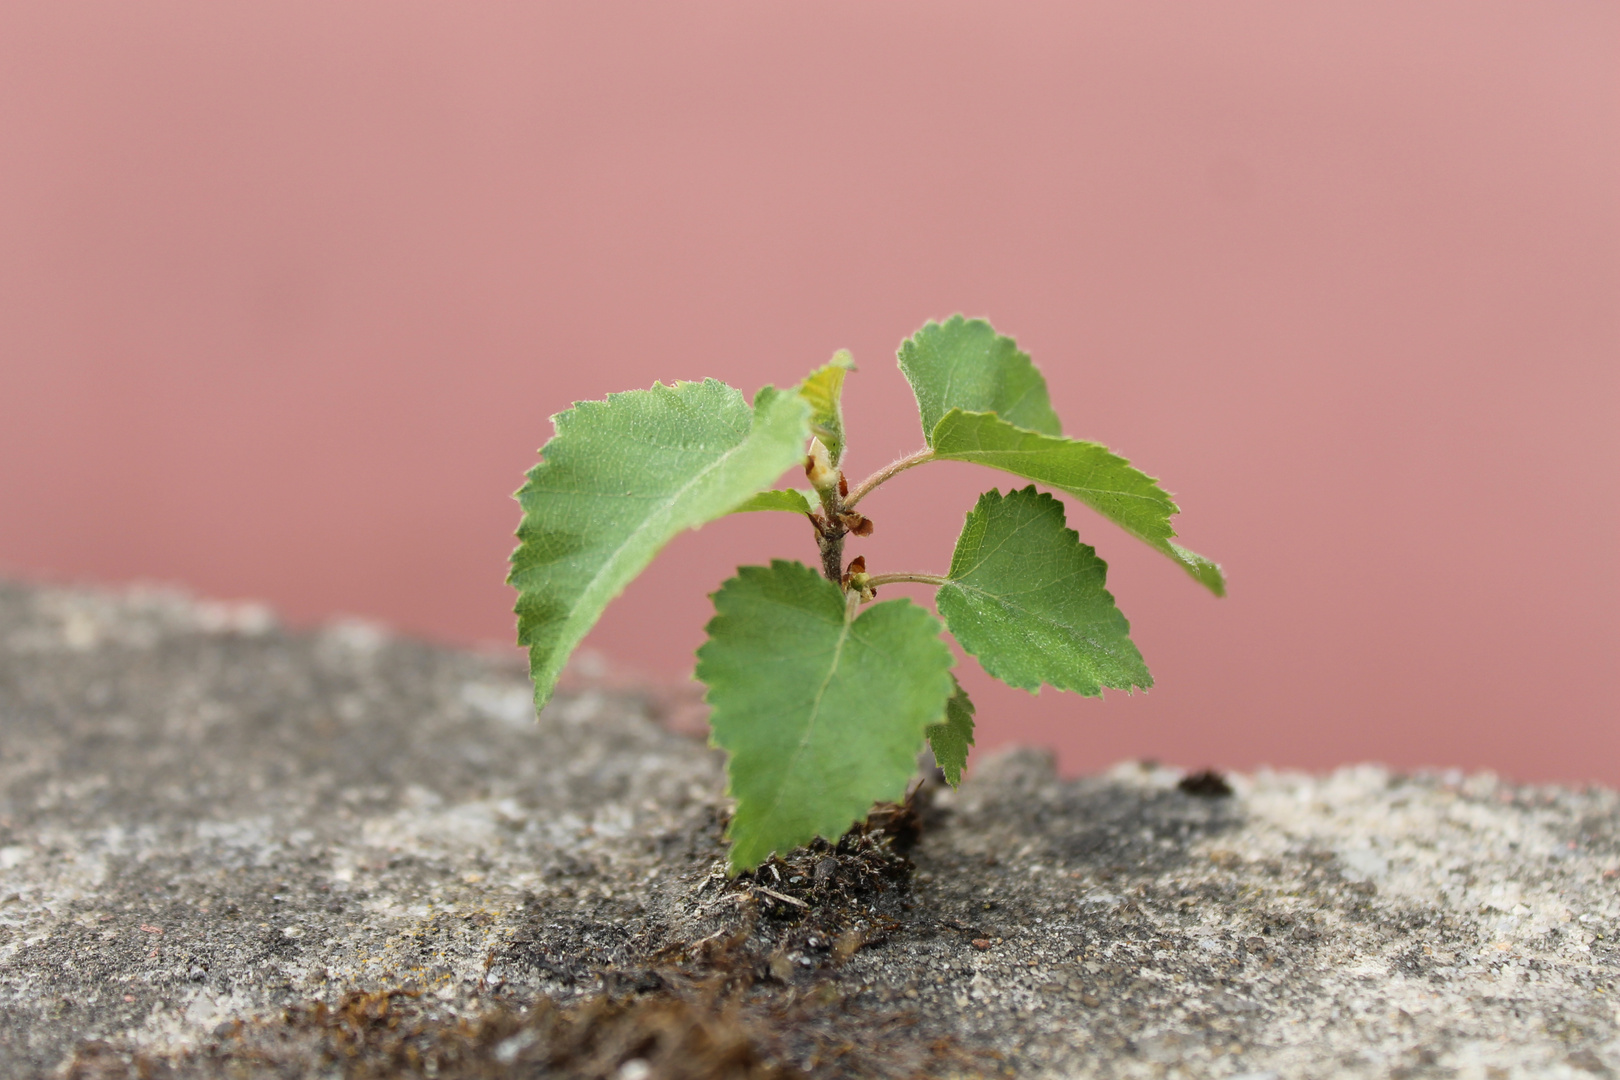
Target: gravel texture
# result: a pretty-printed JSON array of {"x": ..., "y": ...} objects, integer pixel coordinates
[{"x": 226, "y": 849}]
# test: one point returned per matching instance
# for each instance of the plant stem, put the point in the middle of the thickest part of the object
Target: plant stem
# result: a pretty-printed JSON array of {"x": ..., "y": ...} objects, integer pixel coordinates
[
  {"x": 921, "y": 579},
  {"x": 865, "y": 486},
  {"x": 830, "y": 534},
  {"x": 831, "y": 542}
]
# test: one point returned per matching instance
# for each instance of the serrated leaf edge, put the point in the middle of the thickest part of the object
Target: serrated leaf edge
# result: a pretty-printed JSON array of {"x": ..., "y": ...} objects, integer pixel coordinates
[
  {"x": 1203, "y": 570},
  {"x": 944, "y": 724},
  {"x": 958, "y": 320},
  {"x": 845, "y": 632},
  {"x": 952, "y": 581},
  {"x": 765, "y": 395}
]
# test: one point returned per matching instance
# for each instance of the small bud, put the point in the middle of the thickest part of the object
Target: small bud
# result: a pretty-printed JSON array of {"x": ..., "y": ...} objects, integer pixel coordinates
[
  {"x": 843, "y": 486},
  {"x": 858, "y": 579},
  {"x": 818, "y": 467}
]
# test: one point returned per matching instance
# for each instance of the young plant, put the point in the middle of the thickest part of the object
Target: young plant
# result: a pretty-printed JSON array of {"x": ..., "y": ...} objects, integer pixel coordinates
[{"x": 821, "y": 696}]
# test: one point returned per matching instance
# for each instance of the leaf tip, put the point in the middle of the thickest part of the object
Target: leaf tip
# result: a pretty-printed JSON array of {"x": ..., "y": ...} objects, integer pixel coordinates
[{"x": 1206, "y": 572}]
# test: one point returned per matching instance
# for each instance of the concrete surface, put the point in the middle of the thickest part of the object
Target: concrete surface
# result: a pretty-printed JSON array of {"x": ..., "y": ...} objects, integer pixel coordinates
[{"x": 210, "y": 827}]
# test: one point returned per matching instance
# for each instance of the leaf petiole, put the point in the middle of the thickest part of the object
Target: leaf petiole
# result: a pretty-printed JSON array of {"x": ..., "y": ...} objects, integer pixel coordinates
[
  {"x": 865, "y": 487},
  {"x": 894, "y": 579}
]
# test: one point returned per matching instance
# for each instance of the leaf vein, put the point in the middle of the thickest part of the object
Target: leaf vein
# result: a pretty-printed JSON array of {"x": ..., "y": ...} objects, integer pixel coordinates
[{"x": 810, "y": 722}]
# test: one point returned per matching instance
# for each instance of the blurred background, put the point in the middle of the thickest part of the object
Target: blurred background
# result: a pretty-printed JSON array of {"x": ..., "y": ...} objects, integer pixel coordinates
[{"x": 288, "y": 293}]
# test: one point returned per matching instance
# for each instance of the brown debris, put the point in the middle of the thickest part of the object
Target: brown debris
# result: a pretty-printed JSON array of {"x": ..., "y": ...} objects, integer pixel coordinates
[
  {"x": 393, "y": 1034},
  {"x": 1207, "y": 784}
]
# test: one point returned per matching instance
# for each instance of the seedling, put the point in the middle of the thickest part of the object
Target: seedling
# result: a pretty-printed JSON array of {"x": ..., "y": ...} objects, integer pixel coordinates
[{"x": 821, "y": 695}]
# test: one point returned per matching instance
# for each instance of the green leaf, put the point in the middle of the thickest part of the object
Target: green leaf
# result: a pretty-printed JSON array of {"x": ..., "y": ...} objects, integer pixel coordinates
[
  {"x": 619, "y": 479},
  {"x": 823, "y": 389},
  {"x": 951, "y": 739},
  {"x": 1089, "y": 471},
  {"x": 965, "y": 364},
  {"x": 794, "y": 501},
  {"x": 1026, "y": 597},
  {"x": 821, "y": 716}
]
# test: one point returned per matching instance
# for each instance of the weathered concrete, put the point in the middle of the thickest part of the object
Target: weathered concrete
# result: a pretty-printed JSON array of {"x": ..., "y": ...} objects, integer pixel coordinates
[{"x": 204, "y": 819}]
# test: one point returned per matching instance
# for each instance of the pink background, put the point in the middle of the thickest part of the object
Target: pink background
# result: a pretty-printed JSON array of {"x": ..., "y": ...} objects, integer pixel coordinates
[{"x": 288, "y": 292}]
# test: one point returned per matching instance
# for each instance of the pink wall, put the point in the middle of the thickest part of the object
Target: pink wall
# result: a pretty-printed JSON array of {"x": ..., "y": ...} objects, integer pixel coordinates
[{"x": 288, "y": 292}]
